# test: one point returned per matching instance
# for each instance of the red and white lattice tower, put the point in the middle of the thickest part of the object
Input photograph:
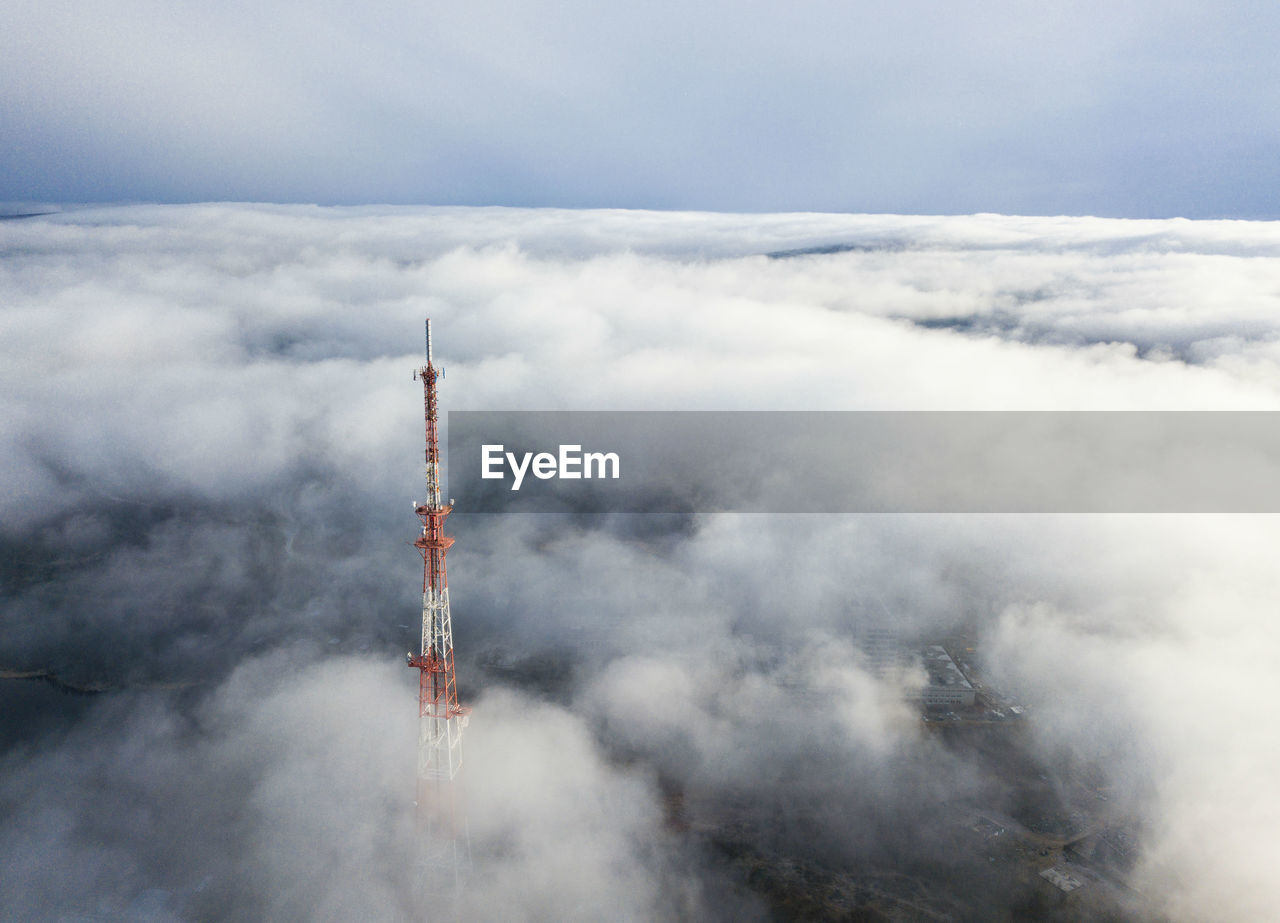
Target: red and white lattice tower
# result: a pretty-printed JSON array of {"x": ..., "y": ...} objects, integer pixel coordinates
[{"x": 441, "y": 719}]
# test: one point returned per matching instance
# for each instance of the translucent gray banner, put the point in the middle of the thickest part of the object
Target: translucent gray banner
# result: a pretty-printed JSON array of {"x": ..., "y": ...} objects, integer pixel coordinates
[{"x": 864, "y": 462}]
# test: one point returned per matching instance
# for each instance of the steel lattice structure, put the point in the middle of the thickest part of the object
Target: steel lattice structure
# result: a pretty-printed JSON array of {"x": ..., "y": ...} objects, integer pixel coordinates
[{"x": 441, "y": 718}]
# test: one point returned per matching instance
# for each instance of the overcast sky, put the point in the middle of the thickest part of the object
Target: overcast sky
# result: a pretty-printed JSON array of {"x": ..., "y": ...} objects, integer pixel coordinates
[{"x": 1139, "y": 109}]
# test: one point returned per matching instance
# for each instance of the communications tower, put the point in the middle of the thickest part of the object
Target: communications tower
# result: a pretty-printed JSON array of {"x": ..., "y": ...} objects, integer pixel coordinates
[{"x": 440, "y": 718}]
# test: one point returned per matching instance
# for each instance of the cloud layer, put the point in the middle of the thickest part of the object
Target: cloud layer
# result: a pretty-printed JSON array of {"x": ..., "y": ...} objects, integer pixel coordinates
[{"x": 211, "y": 441}]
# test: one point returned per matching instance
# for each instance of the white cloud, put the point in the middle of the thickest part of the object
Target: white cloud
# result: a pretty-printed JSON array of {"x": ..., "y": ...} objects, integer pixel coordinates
[{"x": 211, "y": 439}]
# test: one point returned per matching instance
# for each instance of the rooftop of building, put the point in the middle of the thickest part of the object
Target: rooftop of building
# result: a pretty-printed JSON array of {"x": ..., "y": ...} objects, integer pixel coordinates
[{"x": 942, "y": 670}]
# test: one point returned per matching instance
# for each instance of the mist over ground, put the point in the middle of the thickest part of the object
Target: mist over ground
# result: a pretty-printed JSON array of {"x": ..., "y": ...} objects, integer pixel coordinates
[{"x": 211, "y": 441}]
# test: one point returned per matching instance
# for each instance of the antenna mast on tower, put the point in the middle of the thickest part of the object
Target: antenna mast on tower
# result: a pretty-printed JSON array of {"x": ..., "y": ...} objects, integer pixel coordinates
[{"x": 441, "y": 719}]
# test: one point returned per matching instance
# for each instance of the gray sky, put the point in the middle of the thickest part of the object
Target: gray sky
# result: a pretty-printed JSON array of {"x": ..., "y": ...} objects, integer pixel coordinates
[{"x": 1137, "y": 109}]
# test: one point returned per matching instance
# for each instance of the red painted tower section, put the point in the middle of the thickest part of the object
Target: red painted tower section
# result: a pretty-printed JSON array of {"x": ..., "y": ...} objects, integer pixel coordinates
[{"x": 441, "y": 718}]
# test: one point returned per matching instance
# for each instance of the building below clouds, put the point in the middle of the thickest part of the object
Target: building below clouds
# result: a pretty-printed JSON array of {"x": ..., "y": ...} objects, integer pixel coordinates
[
  {"x": 946, "y": 685},
  {"x": 883, "y": 650},
  {"x": 888, "y": 654}
]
